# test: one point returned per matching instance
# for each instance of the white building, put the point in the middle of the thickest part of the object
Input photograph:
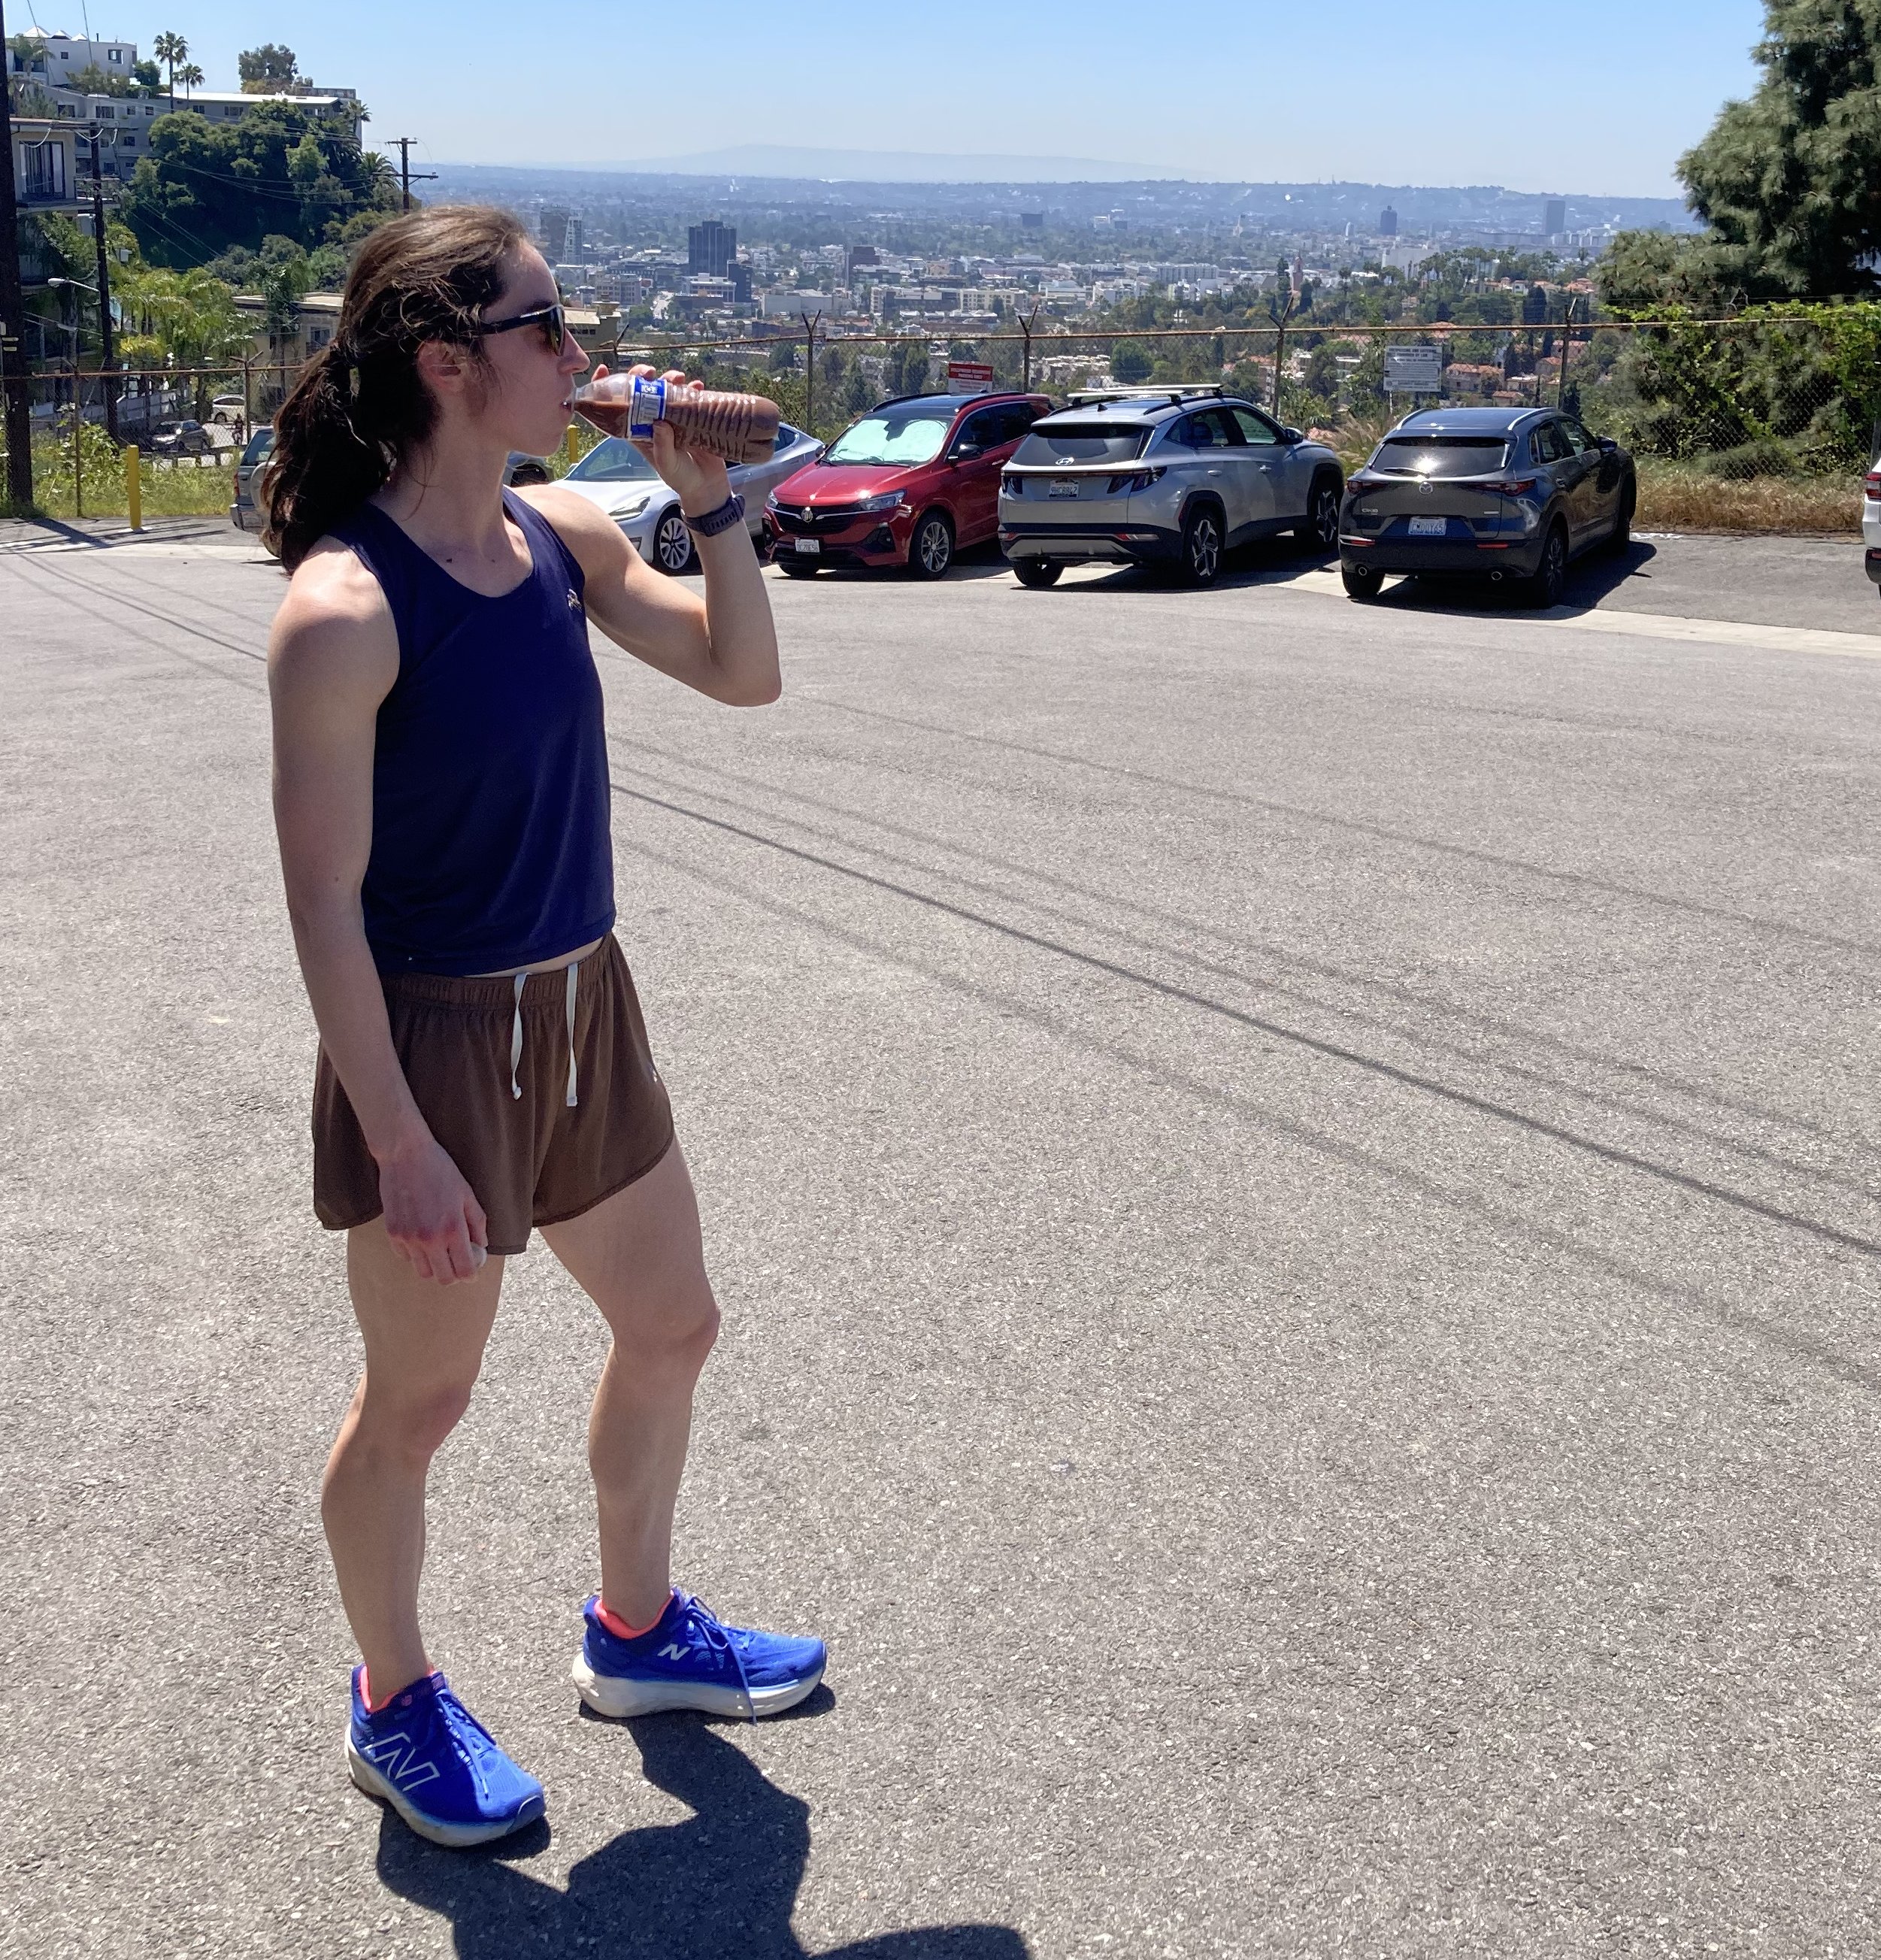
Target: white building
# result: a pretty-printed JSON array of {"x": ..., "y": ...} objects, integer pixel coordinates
[
  {"x": 60, "y": 56},
  {"x": 336, "y": 104}
]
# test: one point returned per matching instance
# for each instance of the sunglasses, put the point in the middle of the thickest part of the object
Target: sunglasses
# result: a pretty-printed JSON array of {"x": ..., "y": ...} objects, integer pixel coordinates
[{"x": 552, "y": 320}]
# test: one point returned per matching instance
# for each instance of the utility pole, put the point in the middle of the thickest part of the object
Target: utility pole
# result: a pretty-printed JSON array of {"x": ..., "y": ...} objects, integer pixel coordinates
[
  {"x": 13, "y": 382},
  {"x": 107, "y": 356},
  {"x": 407, "y": 177}
]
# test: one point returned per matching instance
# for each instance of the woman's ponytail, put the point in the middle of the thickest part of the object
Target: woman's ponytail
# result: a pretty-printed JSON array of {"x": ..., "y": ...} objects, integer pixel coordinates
[{"x": 359, "y": 408}]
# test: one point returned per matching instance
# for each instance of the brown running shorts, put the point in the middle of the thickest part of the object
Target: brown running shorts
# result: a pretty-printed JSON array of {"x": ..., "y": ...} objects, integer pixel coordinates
[{"x": 569, "y": 1139}]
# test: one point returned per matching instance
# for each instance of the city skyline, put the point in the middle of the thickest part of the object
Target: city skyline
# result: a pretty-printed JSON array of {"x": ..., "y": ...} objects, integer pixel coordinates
[{"x": 1263, "y": 98}]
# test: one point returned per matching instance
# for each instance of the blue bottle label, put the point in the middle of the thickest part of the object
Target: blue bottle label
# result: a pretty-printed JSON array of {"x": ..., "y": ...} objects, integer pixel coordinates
[{"x": 646, "y": 407}]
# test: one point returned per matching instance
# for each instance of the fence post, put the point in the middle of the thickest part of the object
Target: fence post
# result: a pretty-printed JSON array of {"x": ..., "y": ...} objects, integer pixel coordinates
[
  {"x": 809, "y": 370},
  {"x": 1560, "y": 378},
  {"x": 1025, "y": 327},
  {"x": 571, "y": 455},
  {"x": 133, "y": 486},
  {"x": 78, "y": 421}
]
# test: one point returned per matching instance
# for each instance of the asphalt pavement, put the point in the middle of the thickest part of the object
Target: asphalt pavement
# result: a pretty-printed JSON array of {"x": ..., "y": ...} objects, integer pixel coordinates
[{"x": 1293, "y": 1188}]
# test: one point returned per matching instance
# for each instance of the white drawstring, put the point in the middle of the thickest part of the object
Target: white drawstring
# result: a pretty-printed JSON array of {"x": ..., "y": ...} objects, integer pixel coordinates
[
  {"x": 516, "y": 1034},
  {"x": 516, "y": 1040},
  {"x": 575, "y": 966}
]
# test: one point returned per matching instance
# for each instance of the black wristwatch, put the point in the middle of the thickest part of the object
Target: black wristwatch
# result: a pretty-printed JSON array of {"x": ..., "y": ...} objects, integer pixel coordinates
[{"x": 731, "y": 512}]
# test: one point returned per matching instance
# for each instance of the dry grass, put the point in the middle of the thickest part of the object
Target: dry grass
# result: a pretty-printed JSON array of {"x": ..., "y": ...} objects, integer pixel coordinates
[
  {"x": 182, "y": 490},
  {"x": 1671, "y": 498}
]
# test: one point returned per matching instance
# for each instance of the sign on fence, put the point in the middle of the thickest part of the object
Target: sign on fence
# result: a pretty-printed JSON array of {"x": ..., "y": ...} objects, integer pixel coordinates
[
  {"x": 969, "y": 377},
  {"x": 1414, "y": 370}
]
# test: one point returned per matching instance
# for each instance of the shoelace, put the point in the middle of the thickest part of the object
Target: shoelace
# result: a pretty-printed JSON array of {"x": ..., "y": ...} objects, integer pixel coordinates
[{"x": 717, "y": 1636}]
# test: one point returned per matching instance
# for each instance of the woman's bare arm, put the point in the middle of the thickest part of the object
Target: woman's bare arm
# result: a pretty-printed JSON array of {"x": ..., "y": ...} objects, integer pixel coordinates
[{"x": 332, "y": 659}]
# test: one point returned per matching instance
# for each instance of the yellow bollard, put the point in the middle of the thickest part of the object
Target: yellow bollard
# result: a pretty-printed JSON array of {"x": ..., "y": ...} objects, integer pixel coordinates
[
  {"x": 134, "y": 486},
  {"x": 571, "y": 447}
]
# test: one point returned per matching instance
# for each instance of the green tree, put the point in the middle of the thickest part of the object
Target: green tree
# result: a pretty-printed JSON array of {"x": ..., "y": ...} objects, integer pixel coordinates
[
  {"x": 1790, "y": 178},
  {"x": 192, "y": 78},
  {"x": 270, "y": 69},
  {"x": 1130, "y": 362},
  {"x": 171, "y": 49}
]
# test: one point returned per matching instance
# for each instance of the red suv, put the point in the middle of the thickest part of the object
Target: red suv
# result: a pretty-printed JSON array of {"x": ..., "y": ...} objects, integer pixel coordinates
[{"x": 911, "y": 483}]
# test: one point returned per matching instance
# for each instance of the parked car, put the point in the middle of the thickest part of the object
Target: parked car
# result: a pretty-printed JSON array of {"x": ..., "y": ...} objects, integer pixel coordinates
[
  {"x": 912, "y": 482},
  {"x": 228, "y": 409},
  {"x": 521, "y": 468},
  {"x": 1510, "y": 494},
  {"x": 184, "y": 438},
  {"x": 616, "y": 476},
  {"x": 1871, "y": 521},
  {"x": 245, "y": 512},
  {"x": 1161, "y": 476}
]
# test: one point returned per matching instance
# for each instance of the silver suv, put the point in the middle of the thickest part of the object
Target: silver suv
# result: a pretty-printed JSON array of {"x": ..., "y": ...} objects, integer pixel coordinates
[{"x": 1173, "y": 476}]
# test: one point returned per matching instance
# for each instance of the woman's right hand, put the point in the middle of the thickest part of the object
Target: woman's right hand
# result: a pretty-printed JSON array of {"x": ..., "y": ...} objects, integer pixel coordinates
[{"x": 431, "y": 1215}]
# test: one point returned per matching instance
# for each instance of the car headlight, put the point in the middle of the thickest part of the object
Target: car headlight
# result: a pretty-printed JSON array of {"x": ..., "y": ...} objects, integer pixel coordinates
[
  {"x": 886, "y": 502},
  {"x": 634, "y": 506},
  {"x": 770, "y": 502}
]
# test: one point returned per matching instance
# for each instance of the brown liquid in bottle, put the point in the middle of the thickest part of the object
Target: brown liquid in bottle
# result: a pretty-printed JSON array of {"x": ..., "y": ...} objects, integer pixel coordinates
[{"x": 741, "y": 428}]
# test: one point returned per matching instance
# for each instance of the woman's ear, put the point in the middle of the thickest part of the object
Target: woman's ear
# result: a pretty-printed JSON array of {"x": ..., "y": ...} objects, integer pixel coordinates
[{"x": 444, "y": 368}]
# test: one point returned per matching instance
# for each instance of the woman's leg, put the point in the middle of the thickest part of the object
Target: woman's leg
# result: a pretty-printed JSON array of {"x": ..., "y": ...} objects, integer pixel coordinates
[
  {"x": 639, "y": 1257},
  {"x": 424, "y": 1346}
]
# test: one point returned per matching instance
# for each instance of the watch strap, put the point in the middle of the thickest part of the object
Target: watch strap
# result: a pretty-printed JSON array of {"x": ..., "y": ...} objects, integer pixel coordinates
[{"x": 731, "y": 512}]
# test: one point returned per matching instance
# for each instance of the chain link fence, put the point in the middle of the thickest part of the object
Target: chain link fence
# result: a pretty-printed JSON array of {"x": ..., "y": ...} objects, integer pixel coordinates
[{"x": 1763, "y": 422}]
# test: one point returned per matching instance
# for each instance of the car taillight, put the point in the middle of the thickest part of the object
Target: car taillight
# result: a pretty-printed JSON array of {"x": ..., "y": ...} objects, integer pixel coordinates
[
  {"x": 1136, "y": 480},
  {"x": 1513, "y": 486},
  {"x": 1871, "y": 485},
  {"x": 1357, "y": 486},
  {"x": 1013, "y": 486}
]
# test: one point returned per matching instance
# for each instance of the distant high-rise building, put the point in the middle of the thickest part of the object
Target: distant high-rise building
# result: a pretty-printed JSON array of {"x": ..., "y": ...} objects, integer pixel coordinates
[
  {"x": 1388, "y": 223},
  {"x": 860, "y": 255},
  {"x": 710, "y": 247},
  {"x": 1555, "y": 216},
  {"x": 1031, "y": 220},
  {"x": 553, "y": 225}
]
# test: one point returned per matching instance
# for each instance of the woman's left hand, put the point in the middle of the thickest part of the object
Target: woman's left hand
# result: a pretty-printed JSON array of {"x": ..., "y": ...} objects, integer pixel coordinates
[{"x": 699, "y": 476}]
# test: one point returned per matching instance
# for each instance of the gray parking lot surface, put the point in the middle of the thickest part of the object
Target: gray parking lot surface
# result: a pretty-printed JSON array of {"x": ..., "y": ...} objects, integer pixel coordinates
[{"x": 1293, "y": 1187}]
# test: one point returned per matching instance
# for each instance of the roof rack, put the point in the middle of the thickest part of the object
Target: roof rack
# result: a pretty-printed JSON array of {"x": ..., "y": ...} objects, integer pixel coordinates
[{"x": 1084, "y": 398}]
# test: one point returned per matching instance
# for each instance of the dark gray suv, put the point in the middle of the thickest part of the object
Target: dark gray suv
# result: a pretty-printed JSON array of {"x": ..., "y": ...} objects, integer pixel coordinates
[
  {"x": 1500, "y": 494},
  {"x": 1175, "y": 476}
]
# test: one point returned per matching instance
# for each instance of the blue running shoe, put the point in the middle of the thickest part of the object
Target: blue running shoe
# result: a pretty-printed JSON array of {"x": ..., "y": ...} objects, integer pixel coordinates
[
  {"x": 688, "y": 1659},
  {"x": 428, "y": 1756}
]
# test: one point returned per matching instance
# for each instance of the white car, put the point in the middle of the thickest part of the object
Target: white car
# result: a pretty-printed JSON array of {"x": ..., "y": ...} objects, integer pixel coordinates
[
  {"x": 1871, "y": 521},
  {"x": 616, "y": 476}
]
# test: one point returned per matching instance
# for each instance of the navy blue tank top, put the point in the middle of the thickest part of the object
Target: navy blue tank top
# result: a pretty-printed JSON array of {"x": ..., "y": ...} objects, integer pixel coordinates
[{"x": 490, "y": 846}]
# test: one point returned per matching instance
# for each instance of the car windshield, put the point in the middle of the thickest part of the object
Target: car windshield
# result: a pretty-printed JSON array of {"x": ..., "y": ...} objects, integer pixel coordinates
[
  {"x": 1442, "y": 455},
  {"x": 896, "y": 436},
  {"x": 1084, "y": 442},
  {"x": 258, "y": 445},
  {"x": 612, "y": 459}
]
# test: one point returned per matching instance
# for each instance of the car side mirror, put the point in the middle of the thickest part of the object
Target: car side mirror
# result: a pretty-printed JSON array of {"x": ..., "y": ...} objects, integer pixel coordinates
[
  {"x": 1607, "y": 444},
  {"x": 966, "y": 452},
  {"x": 1290, "y": 436}
]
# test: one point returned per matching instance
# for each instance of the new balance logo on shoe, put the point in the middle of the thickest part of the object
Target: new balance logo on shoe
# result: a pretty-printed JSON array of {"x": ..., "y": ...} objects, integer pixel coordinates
[
  {"x": 396, "y": 1756},
  {"x": 673, "y": 1651}
]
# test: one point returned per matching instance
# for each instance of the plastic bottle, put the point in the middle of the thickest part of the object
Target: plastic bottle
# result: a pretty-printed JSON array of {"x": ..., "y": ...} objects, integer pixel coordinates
[{"x": 742, "y": 428}]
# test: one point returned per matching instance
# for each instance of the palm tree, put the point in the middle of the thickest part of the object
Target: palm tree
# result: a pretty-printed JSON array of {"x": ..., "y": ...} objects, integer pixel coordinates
[
  {"x": 171, "y": 49},
  {"x": 192, "y": 78}
]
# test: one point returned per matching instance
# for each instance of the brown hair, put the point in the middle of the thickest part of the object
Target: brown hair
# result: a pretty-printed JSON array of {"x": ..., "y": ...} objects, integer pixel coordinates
[{"x": 359, "y": 408}]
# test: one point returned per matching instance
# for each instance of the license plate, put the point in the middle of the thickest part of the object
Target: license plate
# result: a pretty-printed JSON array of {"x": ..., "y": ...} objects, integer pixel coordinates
[
  {"x": 812, "y": 545},
  {"x": 1064, "y": 486},
  {"x": 1429, "y": 527}
]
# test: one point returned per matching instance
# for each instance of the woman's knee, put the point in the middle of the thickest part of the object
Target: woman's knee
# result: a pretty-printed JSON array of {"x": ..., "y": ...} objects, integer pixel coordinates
[{"x": 412, "y": 1424}]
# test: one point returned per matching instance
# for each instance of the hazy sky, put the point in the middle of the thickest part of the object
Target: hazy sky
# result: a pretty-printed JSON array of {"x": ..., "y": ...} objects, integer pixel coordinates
[{"x": 1598, "y": 96}]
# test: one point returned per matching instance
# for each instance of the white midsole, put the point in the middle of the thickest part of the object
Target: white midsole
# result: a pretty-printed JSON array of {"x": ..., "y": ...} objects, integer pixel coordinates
[
  {"x": 369, "y": 1780},
  {"x": 617, "y": 1696}
]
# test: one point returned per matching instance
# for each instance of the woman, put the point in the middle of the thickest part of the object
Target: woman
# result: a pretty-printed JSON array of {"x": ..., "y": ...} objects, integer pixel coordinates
[{"x": 442, "y": 797}]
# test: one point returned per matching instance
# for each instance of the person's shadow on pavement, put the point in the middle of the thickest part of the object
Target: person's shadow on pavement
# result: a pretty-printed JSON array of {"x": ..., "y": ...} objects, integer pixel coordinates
[{"x": 719, "y": 1886}]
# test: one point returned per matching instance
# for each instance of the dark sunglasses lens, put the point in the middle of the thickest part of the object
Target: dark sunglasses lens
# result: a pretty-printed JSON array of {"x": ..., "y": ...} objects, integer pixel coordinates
[{"x": 553, "y": 328}]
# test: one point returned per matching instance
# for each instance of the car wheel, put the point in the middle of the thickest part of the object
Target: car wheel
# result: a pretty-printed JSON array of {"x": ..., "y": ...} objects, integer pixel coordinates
[
  {"x": 788, "y": 563},
  {"x": 1361, "y": 581},
  {"x": 1623, "y": 524},
  {"x": 673, "y": 550},
  {"x": 1320, "y": 531},
  {"x": 1201, "y": 561},
  {"x": 930, "y": 549},
  {"x": 1544, "y": 589},
  {"x": 1036, "y": 572}
]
